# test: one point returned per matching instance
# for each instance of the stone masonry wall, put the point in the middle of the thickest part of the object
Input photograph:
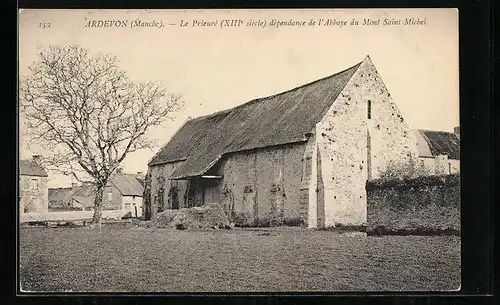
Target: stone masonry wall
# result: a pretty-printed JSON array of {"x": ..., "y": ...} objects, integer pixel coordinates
[
  {"x": 160, "y": 187},
  {"x": 259, "y": 188},
  {"x": 263, "y": 187},
  {"x": 342, "y": 144},
  {"x": 33, "y": 200}
]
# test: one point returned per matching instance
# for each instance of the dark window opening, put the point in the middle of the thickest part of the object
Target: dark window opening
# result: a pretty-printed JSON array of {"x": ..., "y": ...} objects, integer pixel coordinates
[
  {"x": 369, "y": 109},
  {"x": 173, "y": 196},
  {"x": 161, "y": 202}
]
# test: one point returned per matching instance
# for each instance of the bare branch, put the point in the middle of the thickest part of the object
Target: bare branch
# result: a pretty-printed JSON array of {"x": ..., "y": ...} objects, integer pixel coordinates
[{"x": 86, "y": 111}]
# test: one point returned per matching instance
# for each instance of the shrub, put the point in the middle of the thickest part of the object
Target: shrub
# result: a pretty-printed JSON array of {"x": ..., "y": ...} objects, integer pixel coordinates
[
  {"x": 404, "y": 170},
  {"x": 293, "y": 221},
  {"x": 262, "y": 222},
  {"x": 242, "y": 219},
  {"x": 275, "y": 221}
]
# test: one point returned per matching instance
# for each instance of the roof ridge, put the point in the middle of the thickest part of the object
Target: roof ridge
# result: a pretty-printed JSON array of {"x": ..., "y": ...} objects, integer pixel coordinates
[
  {"x": 209, "y": 115},
  {"x": 444, "y": 131},
  {"x": 312, "y": 82},
  {"x": 122, "y": 189},
  {"x": 122, "y": 173},
  {"x": 255, "y": 100}
]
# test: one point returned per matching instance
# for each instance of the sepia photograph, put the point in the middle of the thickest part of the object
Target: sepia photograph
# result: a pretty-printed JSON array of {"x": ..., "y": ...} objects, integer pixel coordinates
[{"x": 270, "y": 150}]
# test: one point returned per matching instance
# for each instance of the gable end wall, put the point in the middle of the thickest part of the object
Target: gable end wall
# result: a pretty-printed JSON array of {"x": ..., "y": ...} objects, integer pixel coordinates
[
  {"x": 342, "y": 140},
  {"x": 33, "y": 200}
]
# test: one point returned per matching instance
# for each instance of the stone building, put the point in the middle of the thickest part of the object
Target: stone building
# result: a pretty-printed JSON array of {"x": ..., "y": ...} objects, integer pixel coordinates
[
  {"x": 439, "y": 151},
  {"x": 33, "y": 191},
  {"x": 301, "y": 156},
  {"x": 124, "y": 192}
]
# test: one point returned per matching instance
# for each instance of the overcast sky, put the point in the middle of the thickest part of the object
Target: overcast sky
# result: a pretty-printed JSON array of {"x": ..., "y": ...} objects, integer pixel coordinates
[{"x": 216, "y": 68}]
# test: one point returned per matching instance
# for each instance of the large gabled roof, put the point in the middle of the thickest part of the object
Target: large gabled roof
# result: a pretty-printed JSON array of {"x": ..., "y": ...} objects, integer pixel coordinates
[
  {"x": 61, "y": 194},
  {"x": 84, "y": 194},
  {"x": 127, "y": 184},
  {"x": 83, "y": 201},
  {"x": 279, "y": 119},
  {"x": 188, "y": 138}
]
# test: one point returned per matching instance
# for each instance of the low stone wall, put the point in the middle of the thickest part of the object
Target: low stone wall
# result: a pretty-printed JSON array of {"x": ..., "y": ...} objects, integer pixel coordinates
[
  {"x": 67, "y": 216},
  {"x": 422, "y": 206}
]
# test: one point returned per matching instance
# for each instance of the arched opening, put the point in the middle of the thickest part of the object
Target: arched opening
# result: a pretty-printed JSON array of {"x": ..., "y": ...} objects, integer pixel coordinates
[{"x": 173, "y": 197}]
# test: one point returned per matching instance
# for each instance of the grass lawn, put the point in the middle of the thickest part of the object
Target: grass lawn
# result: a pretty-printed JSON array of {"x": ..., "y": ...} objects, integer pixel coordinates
[{"x": 131, "y": 259}]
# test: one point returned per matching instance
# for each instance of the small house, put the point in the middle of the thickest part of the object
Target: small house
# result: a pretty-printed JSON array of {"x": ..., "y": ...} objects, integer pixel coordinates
[
  {"x": 439, "y": 151},
  {"x": 33, "y": 191},
  {"x": 123, "y": 192}
]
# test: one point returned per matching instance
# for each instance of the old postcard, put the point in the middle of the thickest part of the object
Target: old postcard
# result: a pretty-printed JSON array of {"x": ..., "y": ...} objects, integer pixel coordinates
[{"x": 239, "y": 150}]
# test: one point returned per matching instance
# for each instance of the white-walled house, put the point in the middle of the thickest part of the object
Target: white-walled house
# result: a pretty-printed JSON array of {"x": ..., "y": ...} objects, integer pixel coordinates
[
  {"x": 123, "y": 192},
  {"x": 33, "y": 191},
  {"x": 439, "y": 151}
]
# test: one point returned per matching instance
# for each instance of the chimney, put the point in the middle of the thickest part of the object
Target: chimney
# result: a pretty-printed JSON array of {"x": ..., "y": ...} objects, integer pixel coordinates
[
  {"x": 456, "y": 130},
  {"x": 73, "y": 185},
  {"x": 37, "y": 159}
]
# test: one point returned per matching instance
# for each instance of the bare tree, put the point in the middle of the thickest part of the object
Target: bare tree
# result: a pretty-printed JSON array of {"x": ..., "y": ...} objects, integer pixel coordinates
[{"x": 88, "y": 114}]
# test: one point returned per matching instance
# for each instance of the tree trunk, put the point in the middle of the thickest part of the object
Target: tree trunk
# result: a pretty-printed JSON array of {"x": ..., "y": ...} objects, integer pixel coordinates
[{"x": 96, "y": 220}]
